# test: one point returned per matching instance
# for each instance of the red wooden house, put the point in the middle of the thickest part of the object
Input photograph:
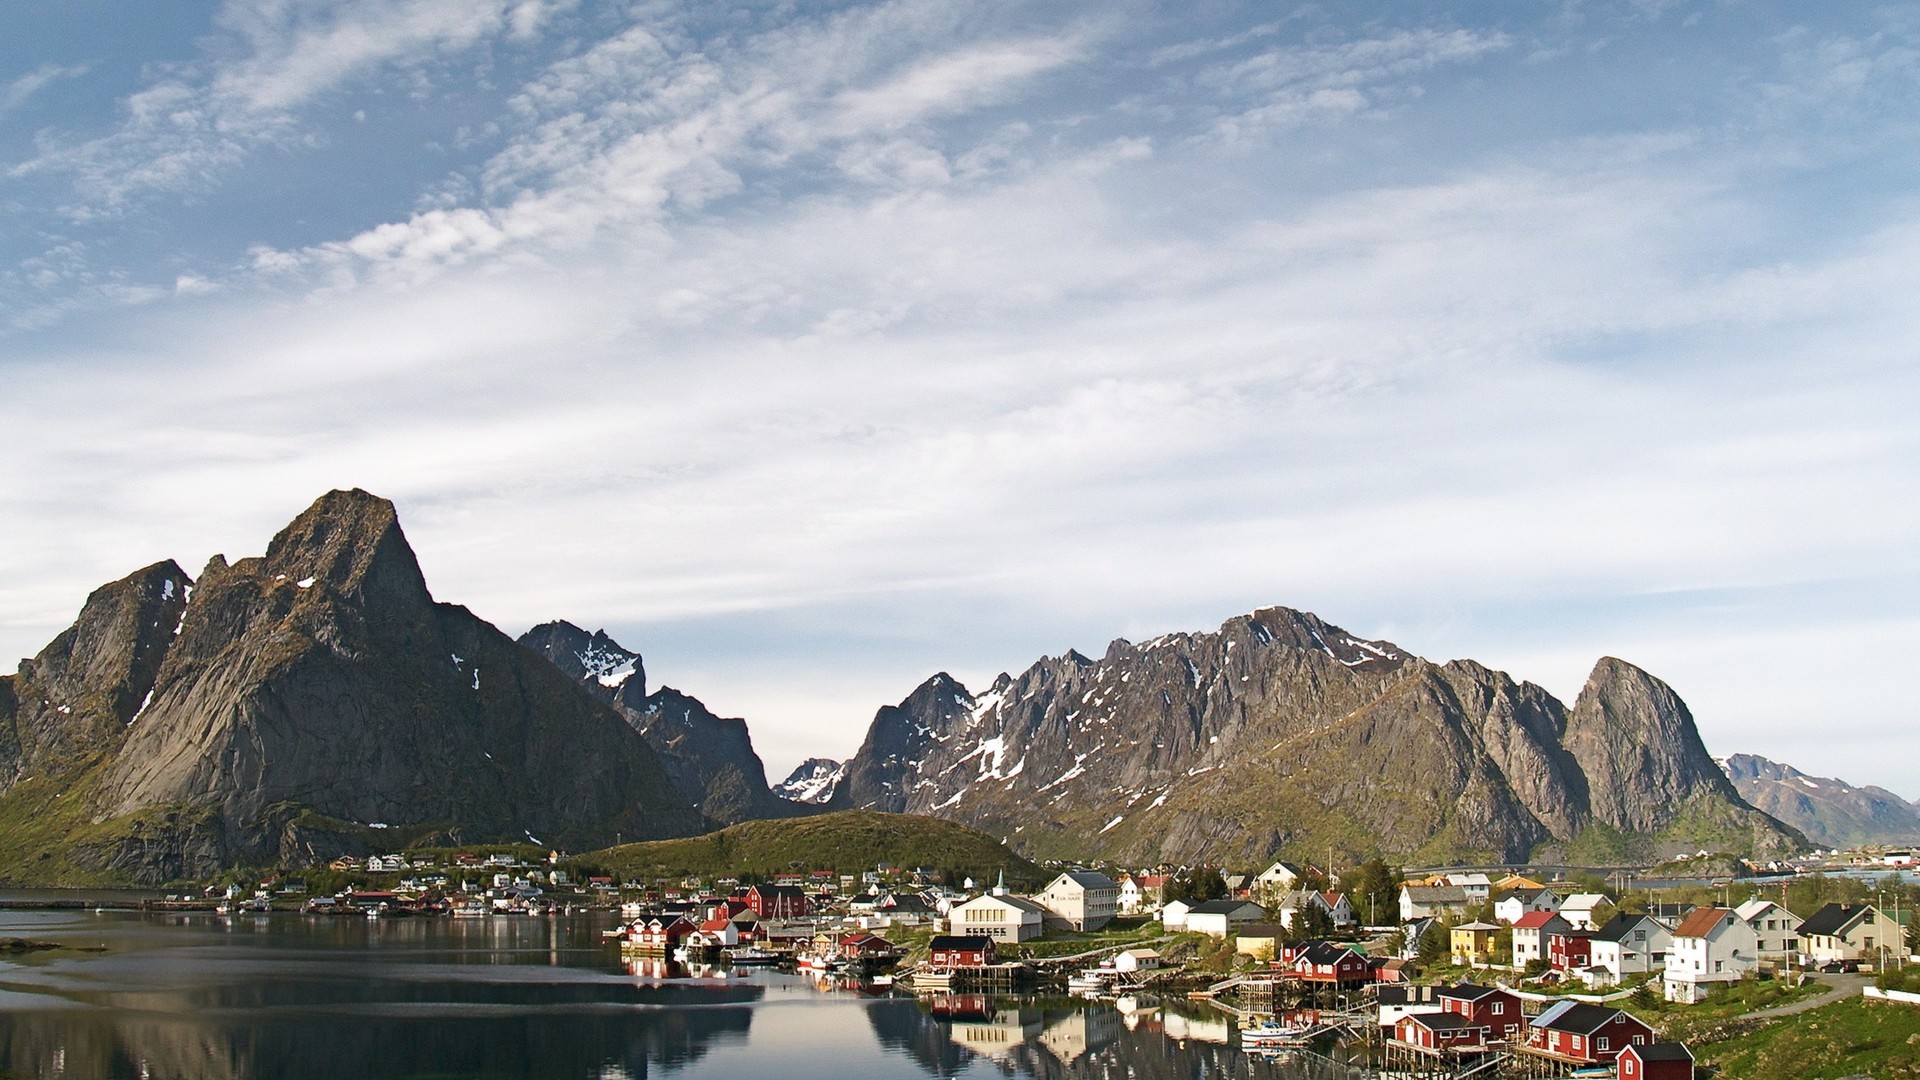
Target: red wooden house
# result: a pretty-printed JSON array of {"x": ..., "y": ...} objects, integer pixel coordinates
[
  {"x": 953, "y": 951},
  {"x": 863, "y": 946},
  {"x": 1584, "y": 1034},
  {"x": 1488, "y": 1007},
  {"x": 777, "y": 901},
  {"x": 1570, "y": 950},
  {"x": 1656, "y": 1061},
  {"x": 661, "y": 933},
  {"x": 1331, "y": 965},
  {"x": 1435, "y": 1032}
]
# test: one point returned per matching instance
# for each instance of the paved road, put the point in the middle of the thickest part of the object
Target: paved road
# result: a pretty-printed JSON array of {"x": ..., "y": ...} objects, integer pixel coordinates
[{"x": 1840, "y": 987}]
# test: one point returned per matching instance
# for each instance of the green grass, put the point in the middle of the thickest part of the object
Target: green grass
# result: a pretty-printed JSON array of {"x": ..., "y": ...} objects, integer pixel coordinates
[
  {"x": 846, "y": 842},
  {"x": 1723, "y": 1007},
  {"x": 1847, "y": 1038}
]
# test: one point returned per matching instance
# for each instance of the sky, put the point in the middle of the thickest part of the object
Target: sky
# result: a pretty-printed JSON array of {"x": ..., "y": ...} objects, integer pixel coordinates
[{"x": 811, "y": 349}]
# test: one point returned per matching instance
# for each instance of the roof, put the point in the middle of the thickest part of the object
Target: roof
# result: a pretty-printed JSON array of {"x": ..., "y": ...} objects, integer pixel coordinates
[
  {"x": 1438, "y": 1020},
  {"x": 1576, "y": 1016},
  {"x": 1010, "y": 900},
  {"x": 1437, "y": 894},
  {"x": 1223, "y": 907},
  {"x": 966, "y": 942},
  {"x": 1832, "y": 919},
  {"x": 1617, "y": 927},
  {"x": 1538, "y": 920},
  {"x": 1142, "y": 954},
  {"x": 1469, "y": 991},
  {"x": 1662, "y": 1051},
  {"x": 1327, "y": 953},
  {"x": 1585, "y": 901},
  {"x": 1703, "y": 921},
  {"x": 1481, "y": 926},
  {"x": 1753, "y": 908},
  {"x": 1087, "y": 879}
]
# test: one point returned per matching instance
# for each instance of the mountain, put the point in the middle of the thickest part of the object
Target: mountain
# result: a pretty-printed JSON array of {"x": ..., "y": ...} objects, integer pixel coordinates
[
  {"x": 813, "y": 782},
  {"x": 1282, "y": 733},
  {"x": 710, "y": 759},
  {"x": 1832, "y": 813},
  {"x": 308, "y": 701}
]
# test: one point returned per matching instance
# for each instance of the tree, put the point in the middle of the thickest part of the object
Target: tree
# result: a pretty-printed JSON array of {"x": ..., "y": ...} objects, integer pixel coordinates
[
  {"x": 1433, "y": 944},
  {"x": 1376, "y": 891},
  {"x": 1311, "y": 923},
  {"x": 1603, "y": 912},
  {"x": 1913, "y": 935},
  {"x": 1195, "y": 886}
]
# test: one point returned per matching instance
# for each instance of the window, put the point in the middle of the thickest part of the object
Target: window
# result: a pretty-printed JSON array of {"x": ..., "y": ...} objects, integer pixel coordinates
[{"x": 1600, "y": 1043}]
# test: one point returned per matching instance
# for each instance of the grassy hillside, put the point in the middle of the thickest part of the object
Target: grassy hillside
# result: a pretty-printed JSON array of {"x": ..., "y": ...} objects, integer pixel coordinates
[
  {"x": 846, "y": 842},
  {"x": 1850, "y": 1038}
]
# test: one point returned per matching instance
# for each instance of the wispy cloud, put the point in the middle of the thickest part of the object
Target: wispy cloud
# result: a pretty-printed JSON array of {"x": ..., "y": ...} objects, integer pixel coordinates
[
  {"x": 17, "y": 92},
  {"x": 201, "y": 119}
]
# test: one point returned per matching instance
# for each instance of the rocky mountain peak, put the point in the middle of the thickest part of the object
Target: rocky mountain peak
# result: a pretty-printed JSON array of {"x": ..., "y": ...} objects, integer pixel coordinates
[
  {"x": 812, "y": 782},
  {"x": 349, "y": 542},
  {"x": 1637, "y": 744},
  {"x": 1830, "y": 811},
  {"x": 600, "y": 663}
]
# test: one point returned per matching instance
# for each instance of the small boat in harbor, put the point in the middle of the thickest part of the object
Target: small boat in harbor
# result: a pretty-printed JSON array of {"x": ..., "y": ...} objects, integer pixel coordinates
[{"x": 750, "y": 956}]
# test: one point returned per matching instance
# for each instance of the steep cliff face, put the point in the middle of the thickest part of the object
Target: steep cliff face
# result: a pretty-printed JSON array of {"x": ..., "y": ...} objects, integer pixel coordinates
[
  {"x": 710, "y": 759},
  {"x": 1829, "y": 811},
  {"x": 320, "y": 686},
  {"x": 71, "y": 702},
  {"x": 1283, "y": 733},
  {"x": 812, "y": 781}
]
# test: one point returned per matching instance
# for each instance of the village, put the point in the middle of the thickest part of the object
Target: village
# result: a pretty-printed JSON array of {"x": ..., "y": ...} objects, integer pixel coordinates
[{"x": 1450, "y": 973}]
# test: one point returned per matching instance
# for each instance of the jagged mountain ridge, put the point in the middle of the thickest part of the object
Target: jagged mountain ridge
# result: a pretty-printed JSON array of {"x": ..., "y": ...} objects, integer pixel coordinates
[
  {"x": 1830, "y": 812},
  {"x": 812, "y": 781},
  {"x": 302, "y": 695},
  {"x": 1283, "y": 733},
  {"x": 709, "y": 758}
]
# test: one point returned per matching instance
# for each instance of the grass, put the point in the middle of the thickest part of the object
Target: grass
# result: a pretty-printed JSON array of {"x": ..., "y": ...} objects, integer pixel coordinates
[
  {"x": 1848, "y": 1038},
  {"x": 846, "y": 842},
  {"x": 1720, "y": 1013}
]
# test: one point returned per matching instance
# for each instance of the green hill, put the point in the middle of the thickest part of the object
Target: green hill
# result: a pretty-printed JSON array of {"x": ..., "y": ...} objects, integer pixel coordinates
[{"x": 845, "y": 842}]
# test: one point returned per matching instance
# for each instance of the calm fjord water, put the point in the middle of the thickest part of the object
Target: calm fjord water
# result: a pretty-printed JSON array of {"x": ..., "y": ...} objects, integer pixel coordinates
[{"x": 198, "y": 997}]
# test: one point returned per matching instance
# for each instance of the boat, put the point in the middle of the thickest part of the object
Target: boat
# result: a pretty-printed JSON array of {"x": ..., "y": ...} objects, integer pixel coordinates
[
  {"x": 1089, "y": 980},
  {"x": 750, "y": 956},
  {"x": 1271, "y": 1035}
]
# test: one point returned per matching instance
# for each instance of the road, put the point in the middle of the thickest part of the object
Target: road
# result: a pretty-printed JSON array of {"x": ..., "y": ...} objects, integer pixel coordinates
[{"x": 1839, "y": 988}]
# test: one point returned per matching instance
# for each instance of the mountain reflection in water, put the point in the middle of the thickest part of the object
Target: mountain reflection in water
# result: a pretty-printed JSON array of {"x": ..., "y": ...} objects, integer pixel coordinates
[{"x": 287, "y": 996}]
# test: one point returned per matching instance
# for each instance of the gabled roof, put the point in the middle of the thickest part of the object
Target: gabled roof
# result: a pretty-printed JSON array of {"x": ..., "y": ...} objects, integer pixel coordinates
[
  {"x": 1438, "y": 1021},
  {"x": 1833, "y": 919},
  {"x": 1223, "y": 907},
  {"x": 1704, "y": 921},
  {"x": 1585, "y": 901},
  {"x": 1754, "y": 908},
  {"x": 1482, "y": 926},
  {"x": 1539, "y": 920},
  {"x": 1662, "y": 1051},
  {"x": 1469, "y": 991},
  {"x": 1087, "y": 879},
  {"x": 1437, "y": 894},
  {"x": 1327, "y": 953},
  {"x": 1576, "y": 1017},
  {"x": 967, "y": 943},
  {"x": 1018, "y": 902},
  {"x": 1618, "y": 927}
]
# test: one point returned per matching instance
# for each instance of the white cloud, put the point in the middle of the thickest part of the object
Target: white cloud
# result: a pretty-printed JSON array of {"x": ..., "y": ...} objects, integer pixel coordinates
[{"x": 17, "y": 92}]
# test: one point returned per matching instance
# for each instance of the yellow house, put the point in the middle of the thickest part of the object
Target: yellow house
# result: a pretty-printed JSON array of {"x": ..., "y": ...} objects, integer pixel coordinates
[
  {"x": 1514, "y": 882},
  {"x": 1259, "y": 940},
  {"x": 1473, "y": 943}
]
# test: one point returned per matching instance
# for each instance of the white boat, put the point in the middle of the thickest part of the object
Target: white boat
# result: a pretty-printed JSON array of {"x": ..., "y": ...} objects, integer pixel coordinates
[
  {"x": 750, "y": 956},
  {"x": 1271, "y": 1035}
]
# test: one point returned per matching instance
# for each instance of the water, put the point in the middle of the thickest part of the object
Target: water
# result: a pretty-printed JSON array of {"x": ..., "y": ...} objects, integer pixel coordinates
[{"x": 197, "y": 997}]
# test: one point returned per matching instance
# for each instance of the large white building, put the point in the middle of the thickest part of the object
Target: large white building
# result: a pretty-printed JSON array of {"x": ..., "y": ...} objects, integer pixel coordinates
[
  {"x": 1002, "y": 918},
  {"x": 1080, "y": 899}
]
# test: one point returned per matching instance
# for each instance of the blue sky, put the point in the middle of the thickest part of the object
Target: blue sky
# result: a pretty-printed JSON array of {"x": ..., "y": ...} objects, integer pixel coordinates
[{"x": 812, "y": 348}]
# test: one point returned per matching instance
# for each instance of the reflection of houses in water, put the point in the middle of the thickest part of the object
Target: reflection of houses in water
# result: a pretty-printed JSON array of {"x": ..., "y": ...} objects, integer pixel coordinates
[
  {"x": 1001, "y": 1035},
  {"x": 1069, "y": 1037},
  {"x": 1208, "y": 1029}
]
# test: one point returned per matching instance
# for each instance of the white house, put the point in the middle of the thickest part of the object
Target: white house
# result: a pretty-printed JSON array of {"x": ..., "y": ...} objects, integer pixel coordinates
[
  {"x": 1338, "y": 908},
  {"x": 1578, "y": 910},
  {"x": 1002, "y": 918},
  {"x": 1279, "y": 878},
  {"x": 1509, "y": 908},
  {"x": 1530, "y": 933},
  {"x": 1775, "y": 928},
  {"x": 1629, "y": 945},
  {"x": 1217, "y": 918},
  {"x": 1136, "y": 960},
  {"x": 1712, "y": 946},
  {"x": 1430, "y": 901},
  {"x": 1173, "y": 914},
  {"x": 1140, "y": 893},
  {"x": 1080, "y": 899},
  {"x": 1477, "y": 886}
]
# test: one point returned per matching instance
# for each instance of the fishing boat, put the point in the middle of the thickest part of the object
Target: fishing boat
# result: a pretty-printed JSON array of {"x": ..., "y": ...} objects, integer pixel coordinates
[
  {"x": 1275, "y": 1036},
  {"x": 1089, "y": 980},
  {"x": 750, "y": 956}
]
